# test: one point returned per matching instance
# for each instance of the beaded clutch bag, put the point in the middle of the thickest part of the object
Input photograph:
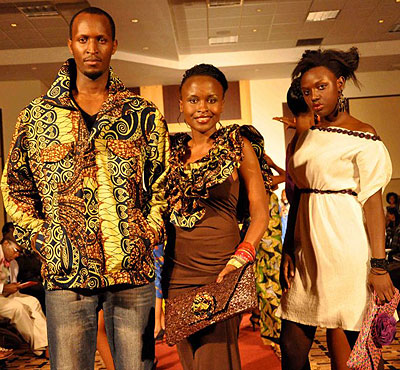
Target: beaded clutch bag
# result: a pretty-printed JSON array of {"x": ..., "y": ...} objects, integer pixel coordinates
[{"x": 209, "y": 304}]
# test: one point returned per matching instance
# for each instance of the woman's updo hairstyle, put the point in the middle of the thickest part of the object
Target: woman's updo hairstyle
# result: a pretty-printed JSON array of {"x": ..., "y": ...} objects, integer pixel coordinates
[
  {"x": 341, "y": 63},
  {"x": 295, "y": 99},
  {"x": 205, "y": 70}
]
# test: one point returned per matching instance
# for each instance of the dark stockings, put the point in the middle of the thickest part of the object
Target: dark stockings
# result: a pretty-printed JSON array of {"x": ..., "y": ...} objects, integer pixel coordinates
[{"x": 296, "y": 341}]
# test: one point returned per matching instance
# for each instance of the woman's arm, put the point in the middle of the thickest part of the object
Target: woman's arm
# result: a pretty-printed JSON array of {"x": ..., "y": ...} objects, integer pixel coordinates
[
  {"x": 250, "y": 172},
  {"x": 375, "y": 220},
  {"x": 281, "y": 172}
]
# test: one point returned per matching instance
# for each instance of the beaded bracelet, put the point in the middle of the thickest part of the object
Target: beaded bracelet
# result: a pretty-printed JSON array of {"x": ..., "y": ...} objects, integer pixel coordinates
[{"x": 379, "y": 263}]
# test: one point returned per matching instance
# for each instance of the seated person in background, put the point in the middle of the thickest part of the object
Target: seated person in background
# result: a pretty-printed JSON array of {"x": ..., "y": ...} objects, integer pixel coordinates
[
  {"x": 29, "y": 268},
  {"x": 22, "y": 310}
]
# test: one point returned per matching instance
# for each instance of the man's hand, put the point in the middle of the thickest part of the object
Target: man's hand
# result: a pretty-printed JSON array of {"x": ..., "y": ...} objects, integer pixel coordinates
[{"x": 10, "y": 289}]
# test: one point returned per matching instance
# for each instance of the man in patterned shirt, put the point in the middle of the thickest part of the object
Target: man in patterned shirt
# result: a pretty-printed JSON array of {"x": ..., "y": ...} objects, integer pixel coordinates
[{"x": 83, "y": 185}]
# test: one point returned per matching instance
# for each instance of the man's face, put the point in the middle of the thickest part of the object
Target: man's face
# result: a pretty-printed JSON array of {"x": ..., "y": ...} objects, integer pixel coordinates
[
  {"x": 92, "y": 45},
  {"x": 11, "y": 250}
]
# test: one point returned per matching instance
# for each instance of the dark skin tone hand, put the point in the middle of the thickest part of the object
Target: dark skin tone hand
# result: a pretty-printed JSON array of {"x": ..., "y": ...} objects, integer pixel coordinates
[{"x": 10, "y": 289}]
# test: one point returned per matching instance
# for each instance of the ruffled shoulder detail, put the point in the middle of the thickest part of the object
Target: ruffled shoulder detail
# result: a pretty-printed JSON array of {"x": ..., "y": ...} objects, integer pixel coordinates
[
  {"x": 187, "y": 185},
  {"x": 257, "y": 142}
]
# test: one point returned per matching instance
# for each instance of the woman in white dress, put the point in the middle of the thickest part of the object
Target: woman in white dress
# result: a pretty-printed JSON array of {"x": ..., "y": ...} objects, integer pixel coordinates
[{"x": 336, "y": 251}]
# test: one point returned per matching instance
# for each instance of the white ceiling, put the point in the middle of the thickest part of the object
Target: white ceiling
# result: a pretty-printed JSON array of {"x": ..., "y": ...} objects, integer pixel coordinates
[{"x": 173, "y": 35}]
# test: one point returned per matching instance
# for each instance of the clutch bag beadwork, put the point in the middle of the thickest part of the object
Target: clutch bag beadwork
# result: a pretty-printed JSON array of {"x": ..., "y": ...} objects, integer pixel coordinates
[{"x": 195, "y": 310}]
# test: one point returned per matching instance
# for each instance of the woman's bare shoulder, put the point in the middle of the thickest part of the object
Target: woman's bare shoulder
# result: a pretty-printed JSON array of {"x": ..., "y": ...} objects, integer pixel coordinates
[{"x": 356, "y": 125}]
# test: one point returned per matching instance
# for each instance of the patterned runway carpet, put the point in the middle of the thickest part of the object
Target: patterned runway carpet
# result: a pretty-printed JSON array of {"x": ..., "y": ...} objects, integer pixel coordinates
[{"x": 23, "y": 359}]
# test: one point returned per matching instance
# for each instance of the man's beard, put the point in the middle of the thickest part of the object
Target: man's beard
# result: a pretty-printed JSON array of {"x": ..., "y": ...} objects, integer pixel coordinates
[{"x": 93, "y": 75}]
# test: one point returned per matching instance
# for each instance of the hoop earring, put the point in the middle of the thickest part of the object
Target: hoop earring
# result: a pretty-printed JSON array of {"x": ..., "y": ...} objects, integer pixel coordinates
[{"x": 342, "y": 102}]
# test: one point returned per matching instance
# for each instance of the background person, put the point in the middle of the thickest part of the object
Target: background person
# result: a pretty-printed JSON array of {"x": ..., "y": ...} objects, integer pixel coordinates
[{"x": 23, "y": 311}]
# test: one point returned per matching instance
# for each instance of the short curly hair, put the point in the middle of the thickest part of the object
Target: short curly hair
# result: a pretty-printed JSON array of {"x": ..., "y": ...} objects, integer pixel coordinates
[
  {"x": 97, "y": 11},
  {"x": 205, "y": 70}
]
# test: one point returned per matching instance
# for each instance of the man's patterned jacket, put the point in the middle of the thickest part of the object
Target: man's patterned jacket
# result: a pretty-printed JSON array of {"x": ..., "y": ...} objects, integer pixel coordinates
[{"x": 89, "y": 203}]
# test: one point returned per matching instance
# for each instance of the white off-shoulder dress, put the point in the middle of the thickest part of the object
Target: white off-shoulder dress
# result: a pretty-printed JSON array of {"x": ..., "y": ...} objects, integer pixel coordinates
[{"x": 331, "y": 244}]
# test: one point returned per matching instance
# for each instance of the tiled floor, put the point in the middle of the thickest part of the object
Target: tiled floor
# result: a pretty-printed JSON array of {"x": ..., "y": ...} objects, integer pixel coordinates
[{"x": 23, "y": 359}]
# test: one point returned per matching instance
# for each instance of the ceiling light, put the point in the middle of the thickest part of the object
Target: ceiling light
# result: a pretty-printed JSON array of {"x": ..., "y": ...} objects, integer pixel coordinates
[
  {"x": 222, "y": 3},
  {"x": 255, "y": 30},
  {"x": 322, "y": 16},
  {"x": 145, "y": 48},
  {"x": 47, "y": 10},
  {"x": 380, "y": 21},
  {"x": 397, "y": 1},
  {"x": 135, "y": 20},
  {"x": 34, "y": 68},
  {"x": 13, "y": 25},
  {"x": 223, "y": 40},
  {"x": 260, "y": 10}
]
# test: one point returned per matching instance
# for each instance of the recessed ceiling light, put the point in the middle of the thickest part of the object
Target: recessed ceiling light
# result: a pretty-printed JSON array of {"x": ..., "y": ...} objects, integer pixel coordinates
[
  {"x": 255, "y": 30},
  {"x": 223, "y": 40},
  {"x": 260, "y": 10},
  {"x": 13, "y": 25},
  {"x": 34, "y": 68},
  {"x": 380, "y": 21},
  {"x": 135, "y": 20},
  {"x": 145, "y": 48},
  {"x": 322, "y": 16}
]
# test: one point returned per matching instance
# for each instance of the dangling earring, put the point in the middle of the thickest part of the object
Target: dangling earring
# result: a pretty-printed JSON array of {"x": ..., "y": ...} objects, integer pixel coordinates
[
  {"x": 220, "y": 124},
  {"x": 342, "y": 102},
  {"x": 317, "y": 118}
]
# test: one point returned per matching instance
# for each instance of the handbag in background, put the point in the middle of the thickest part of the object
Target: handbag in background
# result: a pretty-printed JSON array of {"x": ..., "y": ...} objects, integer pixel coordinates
[{"x": 209, "y": 304}]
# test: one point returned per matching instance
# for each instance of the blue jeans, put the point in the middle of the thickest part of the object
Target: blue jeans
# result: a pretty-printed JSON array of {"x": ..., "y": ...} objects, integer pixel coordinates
[{"x": 129, "y": 321}]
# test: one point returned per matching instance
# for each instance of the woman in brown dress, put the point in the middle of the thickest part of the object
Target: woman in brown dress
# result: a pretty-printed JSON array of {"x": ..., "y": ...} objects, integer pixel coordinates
[{"x": 207, "y": 169}]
